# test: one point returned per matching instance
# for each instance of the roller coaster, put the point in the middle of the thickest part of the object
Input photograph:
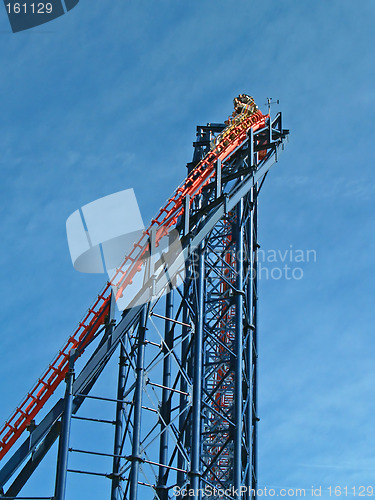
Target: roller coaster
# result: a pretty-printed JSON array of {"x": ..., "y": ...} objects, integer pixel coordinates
[{"x": 186, "y": 407}]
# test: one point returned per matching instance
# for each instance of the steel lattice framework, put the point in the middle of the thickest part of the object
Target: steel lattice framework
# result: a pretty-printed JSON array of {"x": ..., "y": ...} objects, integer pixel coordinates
[{"x": 186, "y": 406}]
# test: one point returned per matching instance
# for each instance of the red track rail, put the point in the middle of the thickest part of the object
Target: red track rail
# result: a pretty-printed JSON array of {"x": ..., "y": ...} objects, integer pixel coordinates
[{"x": 167, "y": 217}]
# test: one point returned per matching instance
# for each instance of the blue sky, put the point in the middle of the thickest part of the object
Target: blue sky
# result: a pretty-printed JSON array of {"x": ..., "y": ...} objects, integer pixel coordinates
[{"x": 106, "y": 98}]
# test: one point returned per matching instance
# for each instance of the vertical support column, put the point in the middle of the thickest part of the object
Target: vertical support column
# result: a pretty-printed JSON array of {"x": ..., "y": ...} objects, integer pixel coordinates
[
  {"x": 62, "y": 459},
  {"x": 251, "y": 295},
  {"x": 218, "y": 179},
  {"x": 270, "y": 129},
  {"x": 181, "y": 463},
  {"x": 198, "y": 371},
  {"x": 165, "y": 409},
  {"x": 250, "y": 156},
  {"x": 184, "y": 352},
  {"x": 187, "y": 215},
  {"x": 151, "y": 261},
  {"x": 255, "y": 338},
  {"x": 115, "y": 489},
  {"x": 238, "y": 399},
  {"x": 139, "y": 384}
]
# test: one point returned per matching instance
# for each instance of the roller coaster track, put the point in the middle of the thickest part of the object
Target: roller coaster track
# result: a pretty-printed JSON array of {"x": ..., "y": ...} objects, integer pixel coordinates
[{"x": 167, "y": 217}]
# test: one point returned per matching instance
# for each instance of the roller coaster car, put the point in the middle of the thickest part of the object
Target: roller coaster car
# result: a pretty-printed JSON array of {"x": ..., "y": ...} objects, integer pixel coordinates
[{"x": 244, "y": 105}]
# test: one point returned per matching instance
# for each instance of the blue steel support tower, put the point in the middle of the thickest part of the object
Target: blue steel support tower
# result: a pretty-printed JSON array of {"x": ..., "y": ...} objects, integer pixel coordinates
[{"x": 186, "y": 406}]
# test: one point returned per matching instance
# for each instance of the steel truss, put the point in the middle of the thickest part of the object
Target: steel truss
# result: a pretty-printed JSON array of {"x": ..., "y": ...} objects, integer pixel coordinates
[{"x": 186, "y": 407}]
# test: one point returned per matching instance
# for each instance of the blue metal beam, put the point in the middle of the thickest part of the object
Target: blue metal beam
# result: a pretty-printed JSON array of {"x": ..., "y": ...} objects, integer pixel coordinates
[
  {"x": 238, "y": 370},
  {"x": 136, "y": 450},
  {"x": 115, "y": 486},
  {"x": 62, "y": 459},
  {"x": 195, "y": 472},
  {"x": 165, "y": 407}
]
